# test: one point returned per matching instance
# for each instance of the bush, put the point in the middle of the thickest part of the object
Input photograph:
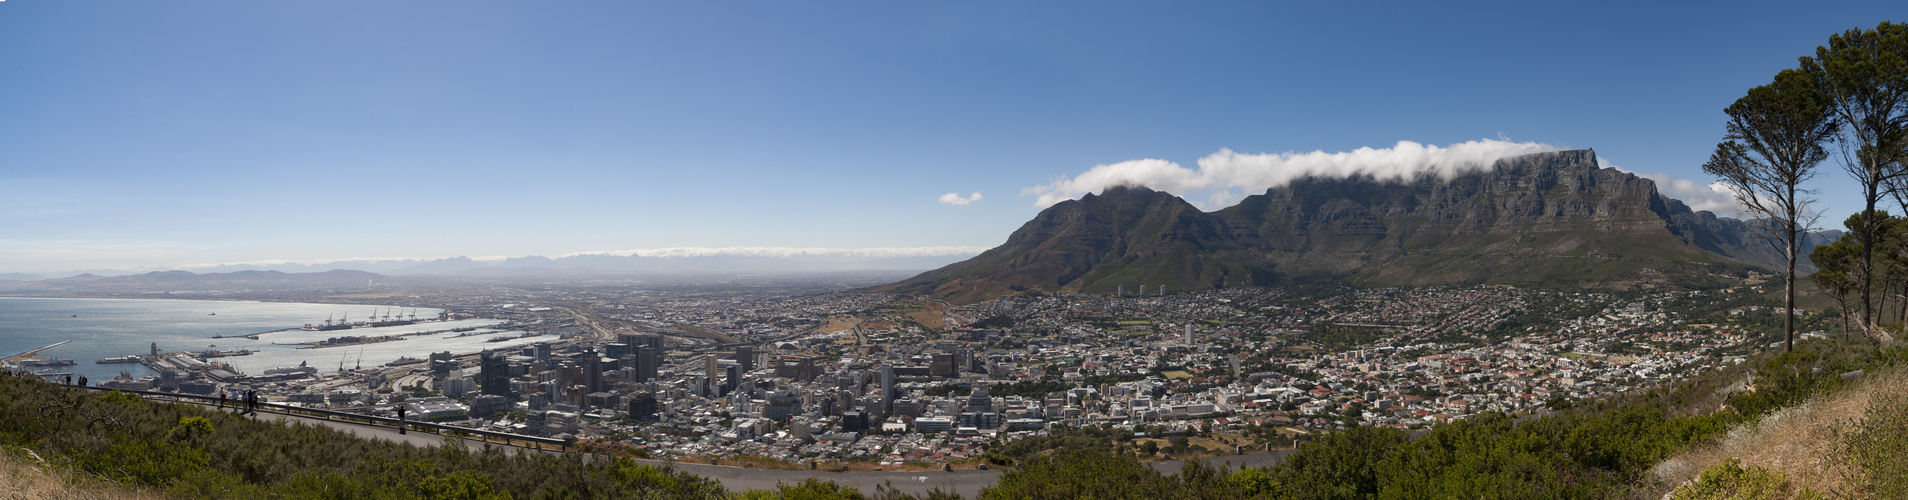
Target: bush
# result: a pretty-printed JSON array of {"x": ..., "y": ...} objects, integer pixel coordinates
[
  {"x": 1875, "y": 449},
  {"x": 1729, "y": 481},
  {"x": 1092, "y": 474}
]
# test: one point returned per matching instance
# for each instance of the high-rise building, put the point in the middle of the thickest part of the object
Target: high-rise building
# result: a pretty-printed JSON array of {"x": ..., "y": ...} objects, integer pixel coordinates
[
  {"x": 494, "y": 373},
  {"x": 1189, "y": 336},
  {"x": 979, "y": 400},
  {"x": 592, "y": 370},
  {"x": 745, "y": 356},
  {"x": 709, "y": 371},
  {"x": 648, "y": 362},
  {"x": 780, "y": 406},
  {"x": 887, "y": 387},
  {"x": 732, "y": 377},
  {"x": 943, "y": 365},
  {"x": 642, "y": 406}
]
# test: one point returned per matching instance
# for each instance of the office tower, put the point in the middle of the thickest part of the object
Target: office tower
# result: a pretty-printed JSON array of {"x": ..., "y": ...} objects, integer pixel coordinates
[
  {"x": 494, "y": 373},
  {"x": 979, "y": 401},
  {"x": 887, "y": 388},
  {"x": 745, "y": 356},
  {"x": 642, "y": 406},
  {"x": 592, "y": 370},
  {"x": 648, "y": 363}
]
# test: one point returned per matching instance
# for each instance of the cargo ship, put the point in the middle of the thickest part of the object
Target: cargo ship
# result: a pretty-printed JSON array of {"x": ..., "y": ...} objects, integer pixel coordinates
[{"x": 118, "y": 359}]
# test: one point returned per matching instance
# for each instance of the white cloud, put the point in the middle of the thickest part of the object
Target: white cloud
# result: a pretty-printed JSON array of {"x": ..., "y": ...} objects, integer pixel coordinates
[
  {"x": 956, "y": 199},
  {"x": 1227, "y": 176},
  {"x": 1715, "y": 197},
  {"x": 1231, "y": 175}
]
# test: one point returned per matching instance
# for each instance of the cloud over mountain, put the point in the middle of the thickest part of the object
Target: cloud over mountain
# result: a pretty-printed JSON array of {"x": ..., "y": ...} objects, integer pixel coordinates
[{"x": 1227, "y": 176}]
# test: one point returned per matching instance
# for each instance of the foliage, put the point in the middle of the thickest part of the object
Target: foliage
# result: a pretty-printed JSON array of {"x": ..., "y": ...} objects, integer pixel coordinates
[
  {"x": 1776, "y": 138},
  {"x": 1729, "y": 480},
  {"x": 189, "y": 451},
  {"x": 1084, "y": 474},
  {"x": 1873, "y": 446},
  {"x": 1087, "y": 438},
  {"x": 1786, "y": 380}
]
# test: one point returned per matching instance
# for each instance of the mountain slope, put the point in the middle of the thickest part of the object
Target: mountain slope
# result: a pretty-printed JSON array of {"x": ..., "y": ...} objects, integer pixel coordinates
[
  {"x": 1124, "y": 236},
  {"x": 1543, "y": 219}
]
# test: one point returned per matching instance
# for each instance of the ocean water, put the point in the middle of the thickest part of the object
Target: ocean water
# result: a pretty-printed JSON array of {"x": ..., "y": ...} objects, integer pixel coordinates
[{"x": 100, "y": 328}]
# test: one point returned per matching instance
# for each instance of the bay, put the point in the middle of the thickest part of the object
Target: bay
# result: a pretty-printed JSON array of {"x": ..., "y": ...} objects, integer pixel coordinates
[{"x": 100, "y": 328}]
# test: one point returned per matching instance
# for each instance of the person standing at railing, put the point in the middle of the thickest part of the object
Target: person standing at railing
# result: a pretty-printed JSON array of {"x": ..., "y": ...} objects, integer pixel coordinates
[
  {"x": 221, "y": 399},
  {"x": 400, "y": 419}
]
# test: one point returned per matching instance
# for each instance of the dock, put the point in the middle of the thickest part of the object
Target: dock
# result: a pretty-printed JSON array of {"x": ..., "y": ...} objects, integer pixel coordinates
[{"x": 31, "y": 353}]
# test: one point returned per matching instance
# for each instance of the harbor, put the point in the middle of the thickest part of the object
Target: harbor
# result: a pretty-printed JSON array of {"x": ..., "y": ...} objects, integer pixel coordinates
[{"x": 106, "y": 338}]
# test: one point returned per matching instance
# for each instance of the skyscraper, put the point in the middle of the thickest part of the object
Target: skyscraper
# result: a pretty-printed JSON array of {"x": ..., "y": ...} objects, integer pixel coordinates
[
  {"x": 887, "y": 388},
  {"x": 709, "y": 371},
  {"x": 648, "y": 362},
  {"x": 745, "y": 356},
  {"x": 642, "y": 406},
  {"x": 494, "y": 373},
  {"x": 592, "y": 370}
]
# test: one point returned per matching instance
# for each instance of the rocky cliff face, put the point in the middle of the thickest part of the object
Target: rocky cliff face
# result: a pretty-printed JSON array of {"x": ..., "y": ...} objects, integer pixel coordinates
[{"x": 1543, "y": 219}]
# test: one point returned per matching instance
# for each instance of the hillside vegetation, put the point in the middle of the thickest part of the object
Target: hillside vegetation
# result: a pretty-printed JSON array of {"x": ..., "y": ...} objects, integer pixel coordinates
[
  {"x": 1732, "y": 433},
  {"x": 1780, "y": 426},
  {"x": 64, "y": 443}
]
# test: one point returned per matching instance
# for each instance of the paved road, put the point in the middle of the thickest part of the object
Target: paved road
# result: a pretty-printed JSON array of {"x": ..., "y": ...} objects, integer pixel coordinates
[{"x": 367, "y": 431}]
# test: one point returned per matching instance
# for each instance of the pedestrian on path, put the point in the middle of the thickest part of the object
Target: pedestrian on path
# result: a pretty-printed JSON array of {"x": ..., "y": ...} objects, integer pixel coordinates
[
  {"x": 82, "y": 381},
  {"x": 400, "y": 420},
  {"x": 221, "y": 399}
]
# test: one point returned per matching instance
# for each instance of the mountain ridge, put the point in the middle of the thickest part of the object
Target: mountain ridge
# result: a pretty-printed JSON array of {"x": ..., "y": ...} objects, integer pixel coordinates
[{"x": 1541, "y": 219}]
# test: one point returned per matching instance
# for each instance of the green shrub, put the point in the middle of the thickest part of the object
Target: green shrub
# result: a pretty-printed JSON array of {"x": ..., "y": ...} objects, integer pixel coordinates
[
  {"x": 1729, "y": 481},
  {"x": 1875, "y": 448}
]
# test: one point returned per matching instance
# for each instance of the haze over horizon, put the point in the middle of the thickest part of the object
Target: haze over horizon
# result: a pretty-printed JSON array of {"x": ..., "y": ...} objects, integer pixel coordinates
[{"x": 184, "y": 135}]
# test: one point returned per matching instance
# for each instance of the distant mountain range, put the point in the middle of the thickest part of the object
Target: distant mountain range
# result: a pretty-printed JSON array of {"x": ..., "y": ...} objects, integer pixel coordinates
[
  {"x": 1546, "y": 219},
  {"x": 183, "y": 281},
  {"x": 664, "y": 261}
]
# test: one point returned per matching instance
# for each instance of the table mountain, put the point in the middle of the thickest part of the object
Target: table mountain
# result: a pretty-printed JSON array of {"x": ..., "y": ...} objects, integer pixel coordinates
[{"x": 1546, "y": 219}]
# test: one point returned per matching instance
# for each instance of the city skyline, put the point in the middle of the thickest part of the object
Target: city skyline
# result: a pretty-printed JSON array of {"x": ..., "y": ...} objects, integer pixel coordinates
[{"x": 190, "y": 134}]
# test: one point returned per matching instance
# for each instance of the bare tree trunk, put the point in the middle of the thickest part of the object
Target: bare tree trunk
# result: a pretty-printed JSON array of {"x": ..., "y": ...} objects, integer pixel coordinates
[
  {"x": 1841, "y": 300},
  {"x": 1788, "y": 312}
]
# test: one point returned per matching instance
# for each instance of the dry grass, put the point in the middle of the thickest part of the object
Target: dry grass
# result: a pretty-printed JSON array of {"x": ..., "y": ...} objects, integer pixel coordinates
[
  {"x": 839, "y": 323},
  {"x": 1799, "y": 442},
  {"x": 22, "y": 476},
  {"x": 929, "y": 319}
]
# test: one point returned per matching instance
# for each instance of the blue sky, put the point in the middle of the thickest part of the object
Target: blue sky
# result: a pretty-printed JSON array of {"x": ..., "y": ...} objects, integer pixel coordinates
[{"x": 150, "y": 134}]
